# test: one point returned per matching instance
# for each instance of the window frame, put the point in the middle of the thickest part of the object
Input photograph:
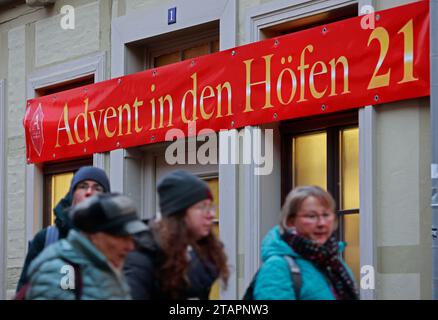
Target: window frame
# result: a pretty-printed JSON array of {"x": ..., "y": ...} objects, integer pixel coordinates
[
  {"x": 3, "y": 139},
  {"x": 332, "y": 124},
  {"x": 49, "y": 77}
]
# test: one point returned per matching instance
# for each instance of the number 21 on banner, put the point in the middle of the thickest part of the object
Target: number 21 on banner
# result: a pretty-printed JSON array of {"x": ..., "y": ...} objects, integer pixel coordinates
[{"x": 380, "y": 34}]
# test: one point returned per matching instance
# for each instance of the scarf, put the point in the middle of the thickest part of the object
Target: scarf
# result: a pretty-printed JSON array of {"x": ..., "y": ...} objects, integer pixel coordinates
[{"x": 326, "y": 259}]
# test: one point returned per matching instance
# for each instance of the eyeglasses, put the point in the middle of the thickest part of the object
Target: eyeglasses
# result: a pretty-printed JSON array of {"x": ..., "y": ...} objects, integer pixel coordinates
[
  {"x": 85, "y": 186},
  {"x": 205, "y": 208},
  {"x": 313, "y": 218}
]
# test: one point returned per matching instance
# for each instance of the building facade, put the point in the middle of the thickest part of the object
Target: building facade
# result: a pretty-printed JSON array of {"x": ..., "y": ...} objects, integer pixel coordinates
[{"x": 375, "y": 159}]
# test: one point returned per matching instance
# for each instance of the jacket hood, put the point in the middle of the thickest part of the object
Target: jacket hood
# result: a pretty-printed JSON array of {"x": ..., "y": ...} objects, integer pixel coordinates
[
  {"x": 273, "y": 245},
  {"x": 62, "y": 219}
]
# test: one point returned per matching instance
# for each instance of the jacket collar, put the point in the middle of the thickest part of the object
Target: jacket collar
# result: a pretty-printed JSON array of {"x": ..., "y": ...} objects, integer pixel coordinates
[{"x": 83, "y": 246}]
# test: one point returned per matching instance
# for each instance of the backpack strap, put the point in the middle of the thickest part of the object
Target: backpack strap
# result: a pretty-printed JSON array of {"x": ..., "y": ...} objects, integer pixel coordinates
[
  {"x": 78, "y": 277},
  {"x": 295, "y": 274},
  {"x": 249, "y": 293},
  {"x": 52, "y": 235},
  {"x": 21, "y": 294}
]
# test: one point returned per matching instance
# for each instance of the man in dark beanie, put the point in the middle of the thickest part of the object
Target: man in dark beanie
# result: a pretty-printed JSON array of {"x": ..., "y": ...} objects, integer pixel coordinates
[
  {"x": 86, "y": 182},
  {"x": 179, "y": 257}
]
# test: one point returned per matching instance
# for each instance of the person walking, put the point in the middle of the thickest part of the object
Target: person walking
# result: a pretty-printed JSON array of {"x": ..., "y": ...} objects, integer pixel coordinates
[
  {"x": 304, "y": 243},
  {"x": 86, "y": 182},
  {"x": 178, "y": 257},
  {"x": 94, "y": 251}
]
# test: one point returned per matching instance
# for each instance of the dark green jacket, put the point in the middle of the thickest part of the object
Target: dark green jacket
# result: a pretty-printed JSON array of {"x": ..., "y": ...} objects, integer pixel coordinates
[{"x": 62, "y": 222}]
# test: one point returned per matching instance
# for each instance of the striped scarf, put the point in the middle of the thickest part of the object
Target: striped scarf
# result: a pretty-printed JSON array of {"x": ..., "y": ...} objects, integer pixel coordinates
[{"x": 327, "y": 259}]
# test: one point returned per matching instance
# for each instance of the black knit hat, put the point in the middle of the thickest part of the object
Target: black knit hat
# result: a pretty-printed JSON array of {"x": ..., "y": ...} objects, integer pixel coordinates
[
  {"x": 90, "y": 173},
  {"x": 110, "y": 213},
  {"x": 180, "y": 190}
]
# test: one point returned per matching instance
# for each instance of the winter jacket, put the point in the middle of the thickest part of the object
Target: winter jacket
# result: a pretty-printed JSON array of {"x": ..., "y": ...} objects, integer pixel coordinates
[
  {"x": 274, "y": 282},
  {"x": 62, "y": 222},
  {"x": 99, "y": 279},
  {"x": 142, "y": 265}
]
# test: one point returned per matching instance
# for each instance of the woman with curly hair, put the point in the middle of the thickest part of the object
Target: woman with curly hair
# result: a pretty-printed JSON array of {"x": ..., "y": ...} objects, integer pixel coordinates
[{"x": 178, "y": 257}]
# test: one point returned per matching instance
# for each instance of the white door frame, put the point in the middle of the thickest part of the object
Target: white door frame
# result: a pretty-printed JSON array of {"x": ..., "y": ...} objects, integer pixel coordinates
[
  {"x": 150, "y": 22},
  {"x": 3, "y": 222}
]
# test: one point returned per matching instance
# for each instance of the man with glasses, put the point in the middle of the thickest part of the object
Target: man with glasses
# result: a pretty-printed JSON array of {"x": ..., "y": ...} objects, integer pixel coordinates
[{"x": 86, "y": 182}]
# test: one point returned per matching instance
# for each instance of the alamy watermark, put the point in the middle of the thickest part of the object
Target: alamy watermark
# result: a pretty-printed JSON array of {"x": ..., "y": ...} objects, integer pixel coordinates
[
  {"x": 68, "y": 281},
  {"x": 68, "y": 17},
  {"x": 252, "y": 146},
  {"x": 368, "y": 20},
  {"x": 367, "y": 278}
]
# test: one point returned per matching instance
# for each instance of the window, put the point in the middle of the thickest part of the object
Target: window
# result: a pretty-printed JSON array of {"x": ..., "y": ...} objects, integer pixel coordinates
[
  {"x": 57, "y": 176},
  {"x": 65, "y": 86},
  {"x": 182, "y": 45},
  {"x": 310, "y": 21},
  {"x": 324, "y": 151},
  {"x": 57, "y": 179},
  {"x": 207, "y": 47}
]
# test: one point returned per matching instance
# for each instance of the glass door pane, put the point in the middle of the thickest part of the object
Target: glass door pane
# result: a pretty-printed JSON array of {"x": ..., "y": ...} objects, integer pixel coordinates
[
  {"x": 214, "y": 187},
  {"x": 196, "y": 51},
  {"x": 351, "y": 236},
  {"x": 166, "y": 59},
  {"x": 213, "y": 183},
  {"x": 349, "y": 155},
  {"x": 349, "y": 170},
  {"x": 60, "y": 186},
  {"x": 189, "y": 53},
  {"x": 309, "y": 165}
]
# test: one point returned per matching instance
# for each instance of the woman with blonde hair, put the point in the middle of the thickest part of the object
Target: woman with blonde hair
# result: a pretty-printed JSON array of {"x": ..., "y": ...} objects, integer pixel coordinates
[{"x": 305, "y": 239}]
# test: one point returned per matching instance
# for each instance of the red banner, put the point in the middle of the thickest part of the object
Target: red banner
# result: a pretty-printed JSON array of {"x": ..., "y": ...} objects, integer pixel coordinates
[{"x": 325, "y": 69}]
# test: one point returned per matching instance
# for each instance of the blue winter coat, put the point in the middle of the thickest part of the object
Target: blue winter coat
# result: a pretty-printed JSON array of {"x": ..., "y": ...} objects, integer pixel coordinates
[
  {"x": 274, "y": 280},
  {"x": 99, "y": 279}
]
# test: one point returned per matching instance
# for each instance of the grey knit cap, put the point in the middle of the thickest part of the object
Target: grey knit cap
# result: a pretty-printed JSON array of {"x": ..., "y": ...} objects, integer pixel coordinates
[{"x": 180, "y": 190}]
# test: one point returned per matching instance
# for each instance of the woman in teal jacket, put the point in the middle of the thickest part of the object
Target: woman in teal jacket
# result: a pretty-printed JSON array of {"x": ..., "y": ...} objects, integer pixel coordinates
[{"x": 306, "y": 234}]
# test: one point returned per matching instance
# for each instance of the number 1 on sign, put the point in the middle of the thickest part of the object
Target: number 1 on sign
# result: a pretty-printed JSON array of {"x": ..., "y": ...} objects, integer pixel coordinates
[
  {"x": 408, "y": 57},
  {"x": 171, "y": 15}
]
